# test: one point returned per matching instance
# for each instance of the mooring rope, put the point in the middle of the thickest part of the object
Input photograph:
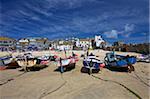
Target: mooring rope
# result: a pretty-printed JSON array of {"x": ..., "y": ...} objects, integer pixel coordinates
[
  {"x": 12, "y": 78},
  {"x": 48, "y": 93},
  {"x": 141, "y": 79},
  {"x": 139, "y": 97}
]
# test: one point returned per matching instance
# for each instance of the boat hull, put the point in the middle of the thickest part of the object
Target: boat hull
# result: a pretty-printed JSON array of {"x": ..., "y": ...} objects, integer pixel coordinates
[
  {"x": 27, "y": 63},
  {"x": 113, "y": 60},
  {"x": 66, "y": 64},
  {"x": 93, "y": 63},
  {"x": 5, "y": 60},
  {"x": 123, "y": 62}
]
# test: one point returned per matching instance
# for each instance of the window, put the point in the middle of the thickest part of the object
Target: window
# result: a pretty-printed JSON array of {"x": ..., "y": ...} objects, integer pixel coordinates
[{"x": 5, "y": 42}]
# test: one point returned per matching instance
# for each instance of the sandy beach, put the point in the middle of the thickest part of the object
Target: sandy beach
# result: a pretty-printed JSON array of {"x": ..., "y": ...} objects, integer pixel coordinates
[{"x": 50, "y": 84}]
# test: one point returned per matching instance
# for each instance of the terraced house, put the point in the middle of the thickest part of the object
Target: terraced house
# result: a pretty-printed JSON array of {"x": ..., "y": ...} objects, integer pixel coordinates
[
  {"x": 7, "y": 44},
  {"x": 33, "y": 43}
]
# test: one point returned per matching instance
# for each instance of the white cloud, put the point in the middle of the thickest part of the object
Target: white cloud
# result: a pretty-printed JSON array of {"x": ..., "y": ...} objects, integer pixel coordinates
[
  {"x": 129, "y": 27},
  {"x": 126, "y": 35},
  {"x": 43, "y": 11},
  {"x": 89, "y": 24},
  {"x": 68, "y": 4},
  {"x": 111, "y": 34},
  {"x": 35, "y": 18},
  {"x": 24, "y": 13},
  {"x": 128, "y": 30}
]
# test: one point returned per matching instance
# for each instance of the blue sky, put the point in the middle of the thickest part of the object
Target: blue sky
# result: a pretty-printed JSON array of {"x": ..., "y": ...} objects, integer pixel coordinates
[{"x": 125, "y": 20}]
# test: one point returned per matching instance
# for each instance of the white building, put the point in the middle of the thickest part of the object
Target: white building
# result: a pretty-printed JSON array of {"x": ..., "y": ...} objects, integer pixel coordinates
[
  {"x": 61, "y": 45},
  {"x": 64, "y": 47},
  {"x": 99, "y": 40},
  {"x": 84, "y": 43},
  {"x": 7, "y": 44},
  {"x": 77, "y": 43},
  {"x": 23, "y": 41},
  {"x": 61, "y": 42},
  {"x": 33, "y": 42}
]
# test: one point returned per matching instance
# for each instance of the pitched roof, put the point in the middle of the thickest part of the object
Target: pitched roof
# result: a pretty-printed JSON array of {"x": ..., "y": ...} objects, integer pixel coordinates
[{"x": 85, "y": 40}]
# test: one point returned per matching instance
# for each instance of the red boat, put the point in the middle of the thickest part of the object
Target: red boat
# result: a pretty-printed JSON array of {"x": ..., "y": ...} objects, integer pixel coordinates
[{"x": 67, "y": 63}]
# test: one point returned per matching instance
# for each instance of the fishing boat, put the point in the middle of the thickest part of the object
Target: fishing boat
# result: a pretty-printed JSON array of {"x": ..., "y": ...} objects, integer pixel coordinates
[
  {"x": 120, "y": 61},
  {"x": 53, "y": 57},
  {"x": 143, "y": 58},
  {"x": 92, "y": 64},
  {"x": 44, "y": 60},
  {"x": 26, "y": 61},
  {"x": 65, "y": 64},
  {"x": 4, "y": 61}
]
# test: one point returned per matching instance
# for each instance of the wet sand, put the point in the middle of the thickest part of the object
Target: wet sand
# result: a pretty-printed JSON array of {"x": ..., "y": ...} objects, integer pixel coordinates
[{"x": 49, "y": 84}]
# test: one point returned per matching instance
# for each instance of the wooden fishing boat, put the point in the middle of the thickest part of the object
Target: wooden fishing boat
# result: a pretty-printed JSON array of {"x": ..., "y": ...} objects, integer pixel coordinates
[
  {"x": 4, "y": 61},
  {"x": 92, "y": 64},
  {"x": 43, "y": 60},
  {"x": 66, "y": 63},
  {"x": 143, "y": 58},
  {"x": 53, "y": 57},
  {"x": 120, "y": 61},
  {"x": 25, "y": 63}
]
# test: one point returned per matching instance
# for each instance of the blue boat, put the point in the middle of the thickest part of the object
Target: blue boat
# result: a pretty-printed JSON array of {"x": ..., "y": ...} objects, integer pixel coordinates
[
  {"x": 118, "y": 61},
  {"x": 91, "y": 65}
]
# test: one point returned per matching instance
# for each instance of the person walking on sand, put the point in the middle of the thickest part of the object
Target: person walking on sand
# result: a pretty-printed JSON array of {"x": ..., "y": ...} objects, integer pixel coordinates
[
  {"x": 73, "y": 54},
  {"x": 84, "y": 49},
  {"x": 61, "y": 67},
  {"x": 65, "y": 52},
  {"x": 87, "y": 52}
]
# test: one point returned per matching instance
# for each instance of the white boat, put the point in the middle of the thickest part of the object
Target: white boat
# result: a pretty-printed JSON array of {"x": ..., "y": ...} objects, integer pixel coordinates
[
  {"x": 4, "y": 60},
  {"x": 66, "y": 64},
  {"x": 143, "y": 58},
  {"x": 91, "y": 64},
  {"x": 67, "y": 61},
  {"x": 26, "y": 61},
  {"x": 43, "y": 60}
]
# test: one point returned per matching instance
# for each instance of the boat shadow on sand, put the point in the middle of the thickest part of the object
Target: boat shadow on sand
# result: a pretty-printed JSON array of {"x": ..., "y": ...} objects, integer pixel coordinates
[
  {"x": 117, "y": 69},
  {"x": 35, "y": 68},
  {"x": 13, "y": 65},
  {"x": 67, "y": 68}
]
